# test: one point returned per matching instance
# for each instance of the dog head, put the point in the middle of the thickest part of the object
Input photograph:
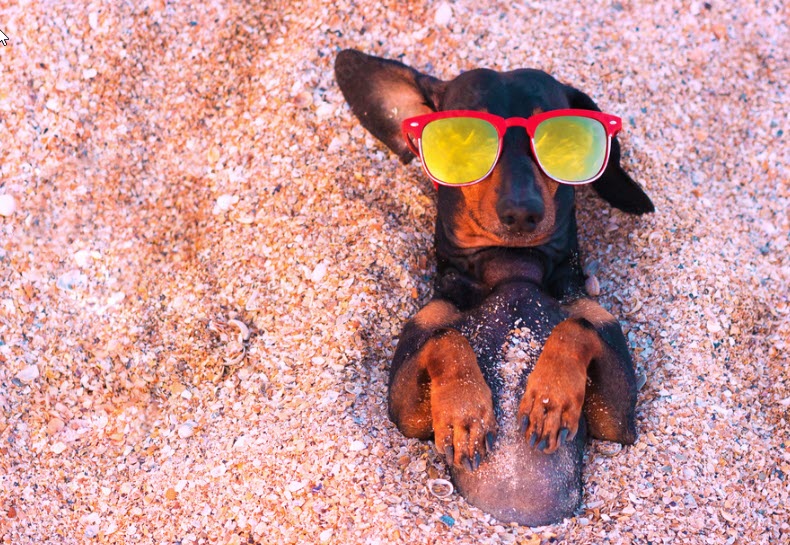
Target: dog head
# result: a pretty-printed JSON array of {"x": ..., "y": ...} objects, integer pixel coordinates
[{"x": 517, "y": 206}]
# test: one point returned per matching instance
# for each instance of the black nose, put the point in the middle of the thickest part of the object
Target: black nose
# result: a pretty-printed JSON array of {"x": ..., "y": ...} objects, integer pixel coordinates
[{"x": 520, "y": 215}]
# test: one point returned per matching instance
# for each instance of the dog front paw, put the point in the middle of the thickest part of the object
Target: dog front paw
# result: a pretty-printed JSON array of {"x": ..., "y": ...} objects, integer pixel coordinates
[
  {"x": 462, "y": 408},
  {"x": 551, "y": 407},
  {"x": 463, "y": 422}
]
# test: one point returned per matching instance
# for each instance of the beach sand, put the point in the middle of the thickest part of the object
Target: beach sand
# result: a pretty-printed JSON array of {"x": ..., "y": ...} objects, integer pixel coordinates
[{"x": 205, "y": 263}]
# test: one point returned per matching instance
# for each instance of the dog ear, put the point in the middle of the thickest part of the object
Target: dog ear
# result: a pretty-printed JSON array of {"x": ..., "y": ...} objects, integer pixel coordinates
[
  {"x": 615, "y": 186},
  {"x": 382, "y": 93}
]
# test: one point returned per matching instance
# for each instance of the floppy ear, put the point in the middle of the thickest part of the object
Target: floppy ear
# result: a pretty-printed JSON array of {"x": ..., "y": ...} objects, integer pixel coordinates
[
  {"x": 614, "y": 186},
  {"x": 382, "y": 93}
]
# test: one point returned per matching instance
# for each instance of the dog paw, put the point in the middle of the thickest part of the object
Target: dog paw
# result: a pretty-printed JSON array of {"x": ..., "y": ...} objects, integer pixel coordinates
[
  {"x": 463, "y": 422},
  {"x": 551, "y": 406}
]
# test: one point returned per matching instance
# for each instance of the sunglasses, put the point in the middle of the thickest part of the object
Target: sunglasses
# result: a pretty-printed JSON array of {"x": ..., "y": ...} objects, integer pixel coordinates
[{"x": 460, "y": 147}]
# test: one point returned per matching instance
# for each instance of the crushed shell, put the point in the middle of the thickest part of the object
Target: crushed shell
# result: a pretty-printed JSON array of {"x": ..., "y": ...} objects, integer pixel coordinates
[{"x": 152, "y": 205}]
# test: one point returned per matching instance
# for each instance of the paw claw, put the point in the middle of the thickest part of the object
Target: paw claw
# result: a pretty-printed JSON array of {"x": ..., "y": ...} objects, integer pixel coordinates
[
  {"x": 533, "y": 439},
  {"x": 449, "y": 454},
  {"x": 543, "y": 444},
  {"x": 563, "y": 435},
  {"x": 490, "y": 442},
  {"x": 467, "y": 463},
  {"x": 524, "y": 425}
]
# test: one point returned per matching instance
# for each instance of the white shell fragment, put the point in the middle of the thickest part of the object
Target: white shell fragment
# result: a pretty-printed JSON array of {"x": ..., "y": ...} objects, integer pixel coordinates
[
  {"x": 608, "y": 448},
  {"x": 441, "y": 488},
  {"x": 637, "y": 306},
  {"x": 356, "y": 446},
  {"x": 641, "y": 380},
  {"x": 224, "y": 203},
  {"x": 318, "y": 272},
  {"x": 28, "y": 374},
  {"x": 244, "y": 331},
  {"x": 186, "y": 430},
  {"x": 235, "y": 349},
  {"x": 7, "y": 205},
  {"x": 592, "y": 267},
  {"x": 444, "y": 14},
  {"x": 253, "y": 302}
]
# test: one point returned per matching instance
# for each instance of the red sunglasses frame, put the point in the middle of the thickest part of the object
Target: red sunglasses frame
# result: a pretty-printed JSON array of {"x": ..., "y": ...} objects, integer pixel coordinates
[{"x": 412, "y": 128}]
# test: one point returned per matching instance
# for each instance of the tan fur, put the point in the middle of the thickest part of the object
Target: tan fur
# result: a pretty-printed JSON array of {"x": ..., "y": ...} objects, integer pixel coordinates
[
  {"x": 591, "y": 311},
  {"x": 477, "y": 225},
  {"x": 436, "y": 314}
]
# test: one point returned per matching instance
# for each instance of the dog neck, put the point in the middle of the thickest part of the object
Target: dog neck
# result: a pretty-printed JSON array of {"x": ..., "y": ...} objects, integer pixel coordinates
[
  {"x": 467, "y": 276},
  {"x": 491, "y": 267}
]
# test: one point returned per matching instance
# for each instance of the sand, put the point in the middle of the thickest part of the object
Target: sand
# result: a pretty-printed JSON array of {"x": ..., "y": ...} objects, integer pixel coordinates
[{"x": 171, "y": 174}]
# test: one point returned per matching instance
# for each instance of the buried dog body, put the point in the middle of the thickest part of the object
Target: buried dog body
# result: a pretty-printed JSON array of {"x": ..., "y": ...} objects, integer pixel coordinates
[{"x": 508, "y": 367}]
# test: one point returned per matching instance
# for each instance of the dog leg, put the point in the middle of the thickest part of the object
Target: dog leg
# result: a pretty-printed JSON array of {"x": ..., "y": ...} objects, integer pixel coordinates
[
  {"x": 437, "y": 388},
  {"x": 584, "y": 357},
  {"x": 610, "y": 399},
  {"x": 551, "y": 406}
]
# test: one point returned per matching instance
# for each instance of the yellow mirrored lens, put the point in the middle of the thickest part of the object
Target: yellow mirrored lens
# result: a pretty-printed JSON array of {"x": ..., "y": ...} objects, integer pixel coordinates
[
  {"x": 570, "y": 148},
  {"x": 459, "y": 150}
]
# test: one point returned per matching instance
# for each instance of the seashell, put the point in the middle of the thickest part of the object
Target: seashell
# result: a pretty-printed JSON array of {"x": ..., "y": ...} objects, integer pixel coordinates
[
  {"x": 443, "y": 15},
  {"x": 224, "y": 203},
  {"x": 351, "y": 388},
  {"x": 236, "y": 357},
  {"x": 592, "y": 267},
  {"x": 7, "y": 205},
  {"x": 318, "y": 272},
  {"x": 609, "y": 449},
  {"x": 654, "y": 237},
  {"x": 28, "y": 374},
  {"x": 635, "y": 308},
  {"x": 252, "y": 302},
  {"x": 244, "y": 331},
  {"x": 441, "y": 488},
  {"x": 186, "y": 430},
  {"x": 592, "y": 286}
]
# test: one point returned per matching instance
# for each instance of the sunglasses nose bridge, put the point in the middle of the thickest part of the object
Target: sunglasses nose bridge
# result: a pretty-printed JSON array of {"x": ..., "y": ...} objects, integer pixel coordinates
[
  {"x": 516, "y": 142},
  {"x": 520, "y": 122},
  {"x": 517, "y": 123}
]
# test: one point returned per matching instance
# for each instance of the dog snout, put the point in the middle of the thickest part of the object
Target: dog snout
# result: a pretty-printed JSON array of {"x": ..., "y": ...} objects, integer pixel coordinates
[{"x": 522, "y": 215}]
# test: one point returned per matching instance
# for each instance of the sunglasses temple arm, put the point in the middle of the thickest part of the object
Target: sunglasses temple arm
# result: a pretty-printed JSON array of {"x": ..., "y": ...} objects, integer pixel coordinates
[{"x": 409, "y": 141}]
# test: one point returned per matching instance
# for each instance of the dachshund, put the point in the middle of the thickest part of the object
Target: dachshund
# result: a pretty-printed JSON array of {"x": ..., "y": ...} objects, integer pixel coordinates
[{"x": 509, "y": 368}]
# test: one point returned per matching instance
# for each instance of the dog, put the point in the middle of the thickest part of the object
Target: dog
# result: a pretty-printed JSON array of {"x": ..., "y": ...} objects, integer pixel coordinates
[{"x": 509, "y": 367}]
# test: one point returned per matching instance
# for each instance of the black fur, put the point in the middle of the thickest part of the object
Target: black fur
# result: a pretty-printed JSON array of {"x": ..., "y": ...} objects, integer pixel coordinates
[{"x": 507, "y": 258}]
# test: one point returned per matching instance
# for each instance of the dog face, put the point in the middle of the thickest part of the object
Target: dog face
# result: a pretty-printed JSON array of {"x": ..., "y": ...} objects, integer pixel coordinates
[{"x": 516, "y": 205}]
